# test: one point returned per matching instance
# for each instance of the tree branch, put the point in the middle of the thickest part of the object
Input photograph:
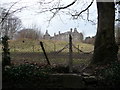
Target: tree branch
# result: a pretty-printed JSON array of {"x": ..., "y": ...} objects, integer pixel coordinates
[
  {"x": 117, "y": 20},
  {"x": 118, "y": 2},
  {"x": 59, "y": 8},
  {"x": 18, "y": 10},
  {"x": 3, "y": 18},
  {"x": 8, "y": 11},
  {"x": 77, "y": 15}
]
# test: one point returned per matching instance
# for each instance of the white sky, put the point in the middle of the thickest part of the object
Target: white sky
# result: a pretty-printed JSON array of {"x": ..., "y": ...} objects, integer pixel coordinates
[{"x": 61, "y": 23}]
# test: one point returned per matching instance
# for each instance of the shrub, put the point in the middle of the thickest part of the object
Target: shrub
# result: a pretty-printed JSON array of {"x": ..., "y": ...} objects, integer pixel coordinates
[
  {"x": 60, "y": 68},
  {"x": 111, "y": 74},
  {"x": 25, "y": 75}
]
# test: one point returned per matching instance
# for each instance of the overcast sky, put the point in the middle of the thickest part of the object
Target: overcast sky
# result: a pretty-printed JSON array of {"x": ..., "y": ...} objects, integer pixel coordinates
[{"x": 60, "y": 22}]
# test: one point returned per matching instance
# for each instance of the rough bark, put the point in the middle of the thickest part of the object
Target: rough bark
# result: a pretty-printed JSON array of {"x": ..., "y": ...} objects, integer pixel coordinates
[
  {"x": 6, "y": 53},
  {"x": 105, "y": 49}
]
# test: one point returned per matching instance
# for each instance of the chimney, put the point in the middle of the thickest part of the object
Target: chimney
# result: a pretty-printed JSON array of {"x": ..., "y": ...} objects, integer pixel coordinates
[
  {"x": 70, "y": 29},
  {"x": 46, "y": 31},
  {"x": 75, "y": 30},
  {"x": 59, "y": 32},
  {"x": 54, "y": 34}
]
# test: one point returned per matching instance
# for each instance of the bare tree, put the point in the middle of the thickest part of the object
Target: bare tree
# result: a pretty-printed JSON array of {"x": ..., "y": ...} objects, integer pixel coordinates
[
  {"x": 29, "y": 33},
  {"x": 57, "y": 8},
  {"x": 10, "y": 24},
  {"x": 7, "y": 18},
  {"x": 4, "y": 14},
  {"x": 9, "y": 11},
  {"x": 37, "y": 29}
]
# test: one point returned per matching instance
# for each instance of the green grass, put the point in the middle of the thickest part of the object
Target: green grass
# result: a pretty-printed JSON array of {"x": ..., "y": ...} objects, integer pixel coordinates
[
  {"x": 30, "y": 50},
  {"x": 26, "y": 46},
  {"x": 61, "y": 58},
  {"x": 81, "y": 61},
  {"x": 50, "y": 46}
]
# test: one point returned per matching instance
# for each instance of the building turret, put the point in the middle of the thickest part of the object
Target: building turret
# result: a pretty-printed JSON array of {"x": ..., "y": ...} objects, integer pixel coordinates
[
  {"x": 71, "y": 30},
  {"x": 54, "y": 34},
  {"x": 59, "y": 32},
  {"x": 47, "y": 35},
  {"x": 75, "y": 30}
]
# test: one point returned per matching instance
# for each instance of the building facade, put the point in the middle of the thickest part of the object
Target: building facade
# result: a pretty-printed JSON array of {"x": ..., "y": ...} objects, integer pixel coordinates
[
  {"x": 89, "y": 40},
  {"x": 76, "y": 36}
]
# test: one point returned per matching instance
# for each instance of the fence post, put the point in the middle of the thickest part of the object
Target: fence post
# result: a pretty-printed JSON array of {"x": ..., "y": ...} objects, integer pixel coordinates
[
  {"x": 33, "y": 48},
  {"x": 14, "y": 47},
  {"x": 78, "y": 48},
  {"x": 41, "y": 43},
  {"x": 70, "y": 54},
  {"x": 54, "y": 47}
]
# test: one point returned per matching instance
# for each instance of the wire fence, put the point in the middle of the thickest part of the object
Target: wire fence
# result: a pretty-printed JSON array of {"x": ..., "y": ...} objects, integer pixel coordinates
[{"x": 57, "y": 53}]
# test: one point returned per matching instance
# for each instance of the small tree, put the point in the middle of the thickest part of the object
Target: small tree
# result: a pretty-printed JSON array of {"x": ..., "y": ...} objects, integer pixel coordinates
[
  {"x": 10, "y": 25},
  {"x": 5, "y": 53}
]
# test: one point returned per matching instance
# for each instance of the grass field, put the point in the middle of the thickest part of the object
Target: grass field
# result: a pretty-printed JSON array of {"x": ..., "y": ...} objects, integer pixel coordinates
[
  {"x": 27, "y": 45},
  {"x": 30, "y": 50}
]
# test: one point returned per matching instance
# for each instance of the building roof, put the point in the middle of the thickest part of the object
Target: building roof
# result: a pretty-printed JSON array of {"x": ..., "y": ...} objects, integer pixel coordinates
[{"x": 47, "y": 34}]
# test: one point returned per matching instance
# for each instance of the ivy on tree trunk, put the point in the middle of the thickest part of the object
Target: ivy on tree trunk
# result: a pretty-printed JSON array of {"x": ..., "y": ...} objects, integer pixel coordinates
[{"x": 5, "y": 53}]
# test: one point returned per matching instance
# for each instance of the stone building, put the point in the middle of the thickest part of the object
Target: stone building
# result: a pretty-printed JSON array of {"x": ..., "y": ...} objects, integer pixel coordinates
[
  {"x": 89, "y": 40},
  {"x": 47, "y": 36},
  {"x": 76, "y": 36}
]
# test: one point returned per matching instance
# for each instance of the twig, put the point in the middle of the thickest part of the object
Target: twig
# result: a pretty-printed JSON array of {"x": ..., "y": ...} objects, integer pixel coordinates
[{"x": 77, "y": 15}]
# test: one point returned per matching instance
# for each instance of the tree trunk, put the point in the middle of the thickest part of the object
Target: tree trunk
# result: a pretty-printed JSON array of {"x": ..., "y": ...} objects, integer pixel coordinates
[{"x": 105, "y": 49}]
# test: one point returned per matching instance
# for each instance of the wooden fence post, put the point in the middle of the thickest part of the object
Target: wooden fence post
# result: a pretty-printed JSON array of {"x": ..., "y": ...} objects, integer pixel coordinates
[
  {"x": 78, "y": 48},
  {"x": 70, "y": 54},
  {"x": 54, "y": 47},
  {"x": 14, "y": 47},
  {"x": 33, "y": 47},
  {"x": 48, "y": 62}
]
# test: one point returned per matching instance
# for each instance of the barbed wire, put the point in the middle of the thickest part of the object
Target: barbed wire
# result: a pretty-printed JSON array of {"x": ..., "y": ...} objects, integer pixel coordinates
[
  {"x": 67, "y": 46},
  {"x": 62, "y": 49},
  {"x": 81, "y": 50}
]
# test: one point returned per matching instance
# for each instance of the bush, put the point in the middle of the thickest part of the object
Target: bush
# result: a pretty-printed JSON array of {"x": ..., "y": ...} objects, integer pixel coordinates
[
  {"x": 60, "y": 68},
  {"x": 25, "y": 75},
  {"x": 111, "y": 74}
]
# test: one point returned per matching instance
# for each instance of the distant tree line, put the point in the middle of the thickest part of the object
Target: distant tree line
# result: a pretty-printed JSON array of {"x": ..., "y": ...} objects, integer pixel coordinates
[
  {"x": 28, "y": 33},
  {"x": 11, "y": 26}
]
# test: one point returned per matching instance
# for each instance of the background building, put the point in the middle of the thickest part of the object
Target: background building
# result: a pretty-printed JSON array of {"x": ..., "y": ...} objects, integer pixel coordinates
[{"x": 65, "y": 36}]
